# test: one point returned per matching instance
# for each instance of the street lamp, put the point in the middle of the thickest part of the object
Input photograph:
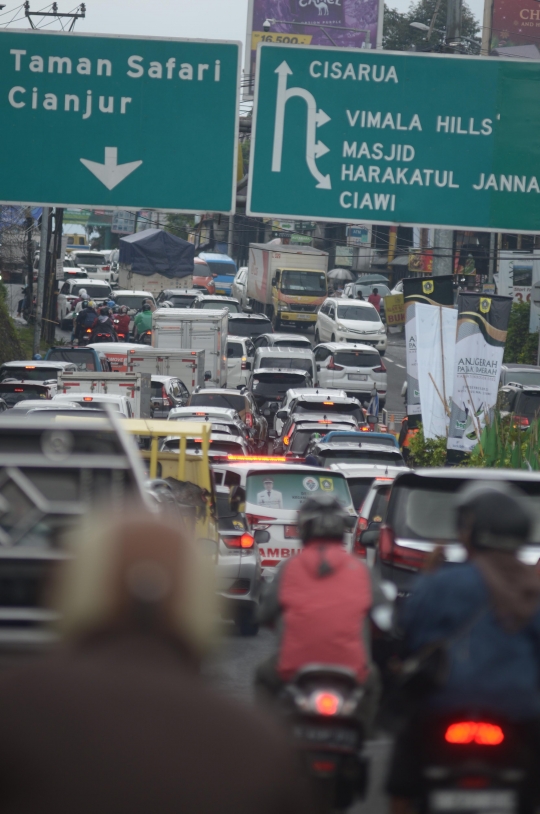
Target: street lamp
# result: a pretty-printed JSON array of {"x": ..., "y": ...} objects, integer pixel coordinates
[{"x": 269, "y": 22}]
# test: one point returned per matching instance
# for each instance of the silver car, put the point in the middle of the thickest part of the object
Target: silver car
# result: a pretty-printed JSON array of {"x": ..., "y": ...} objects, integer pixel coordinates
[{"x": 356, "y": 368}]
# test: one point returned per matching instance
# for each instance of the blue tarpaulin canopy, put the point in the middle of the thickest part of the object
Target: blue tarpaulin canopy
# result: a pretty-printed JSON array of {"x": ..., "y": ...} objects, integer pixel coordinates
[{"x": 157, "y": 252}]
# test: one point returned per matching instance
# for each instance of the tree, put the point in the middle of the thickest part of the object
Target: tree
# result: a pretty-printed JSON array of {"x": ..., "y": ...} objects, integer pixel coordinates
[
  {"x": 399, "y": 36},
  {"x": 180, "y": 225}
]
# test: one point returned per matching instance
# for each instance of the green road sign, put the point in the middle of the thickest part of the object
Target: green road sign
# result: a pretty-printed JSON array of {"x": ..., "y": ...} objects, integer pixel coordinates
[
  {"x": 353, "y": 135},
  {"x": 103, "y": 121}
]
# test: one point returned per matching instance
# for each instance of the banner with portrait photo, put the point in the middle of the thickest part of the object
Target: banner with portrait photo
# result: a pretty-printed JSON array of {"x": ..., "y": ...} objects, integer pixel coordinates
[{"x": 481, "y": 335}]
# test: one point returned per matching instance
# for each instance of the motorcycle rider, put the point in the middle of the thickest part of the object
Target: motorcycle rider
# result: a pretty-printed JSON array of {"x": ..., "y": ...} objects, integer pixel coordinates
[
  {"x": 104, "y": 324},
  {"x": 320, "y": 600},
  {"x": 121, "y": 320},
  {"x": 143, "y": 320},
  {"x": 85, "y": 319},
  {"x": 490, "y": 605}
]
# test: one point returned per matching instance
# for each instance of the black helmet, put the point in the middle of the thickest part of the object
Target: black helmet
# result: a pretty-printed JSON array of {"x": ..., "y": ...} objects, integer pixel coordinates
[
  {"x": 104, "y": 312},
  {"x": 146, "y": 307},
  {"x": 84, "y": 304},
  {"x": 494, "y": 515},
  {"x": 322, "y": 516}
]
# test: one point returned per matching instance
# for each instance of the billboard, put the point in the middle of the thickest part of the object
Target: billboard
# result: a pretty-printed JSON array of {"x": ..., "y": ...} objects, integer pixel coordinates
[
  {"x": 515, "y": 29},
  {"x": 302, "y": 19}
]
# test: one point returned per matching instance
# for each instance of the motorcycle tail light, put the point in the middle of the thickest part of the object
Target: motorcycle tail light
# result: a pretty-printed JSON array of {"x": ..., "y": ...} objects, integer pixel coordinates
[
  {"x": 327, "y": 703},
  {"x": 480, "y": 732}
]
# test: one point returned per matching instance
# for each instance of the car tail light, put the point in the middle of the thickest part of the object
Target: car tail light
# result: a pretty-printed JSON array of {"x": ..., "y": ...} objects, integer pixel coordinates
[
  {"x": 244, "y": 363},
  {"x": 249, "y": 420},
  {"x": 255, "y": 519},
  {"x": 105, "y": 268},
  {"x": 520, "y": 421},
  {"x": 325, "y": 421},
  {"x": 29, "y": 367},
  {"x": 361, "y": 526},
  {"x": 88, "y": 398},
  {"x": 165, "y": 396},
  {"x": 484, "y": 734},
  {"x": 291, "y": 532},
  {"x": 392, "y": 553},
  {"x": 332, "y": 365},
  {"x": 243, "y": 541},
  {"x": 286, "y": 440},
  {"x": 327, "y": 703},
  {"x": 89, "y": 330},
  {"x": 386, "y": 544},
  {"x": 18, "y": 389},
  {"x": 380, "y": 369},
  {"x": 328, "y": 403},
  {"x": 279, "y": 459},
  {"x": 241, "y": 586}
]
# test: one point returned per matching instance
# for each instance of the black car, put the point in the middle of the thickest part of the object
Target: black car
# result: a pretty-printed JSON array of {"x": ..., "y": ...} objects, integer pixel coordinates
[
  {"x": 251, "y": 325},
  {"x": 522, "y": 402},
  {"x": 178, "y": 297},
  {"x": 300, "y": 431},
  {"x": 269, "y": 386}
]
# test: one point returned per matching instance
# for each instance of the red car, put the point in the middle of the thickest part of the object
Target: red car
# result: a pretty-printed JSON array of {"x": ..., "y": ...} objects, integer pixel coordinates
[{"x": 203, "y": 277}]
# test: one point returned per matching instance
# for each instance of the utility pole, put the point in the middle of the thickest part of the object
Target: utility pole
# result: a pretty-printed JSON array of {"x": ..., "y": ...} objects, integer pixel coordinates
[{"x": 43, "y": 252}]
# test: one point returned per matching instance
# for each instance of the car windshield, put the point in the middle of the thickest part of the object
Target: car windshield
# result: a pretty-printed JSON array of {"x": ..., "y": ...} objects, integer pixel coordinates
[
  {"x": 249, "y": 327},
  {"x": 288, "y": 490},
  {"x": 427, "y": 512},
  {"x": 526, "y": 377},
  {"x": 181, "y": 300},
  {"x": 222, "y": 269},
  {"x": 95, "y": 292},
  {"x": 13, "y": 393},
  {"x": 303, "y": 282},
  {"x": 329, "y": 407},
  {"x": 303, "y": 435},
  {"x": 29, "y": 373},
  {"x": 358, "y": 313},
  {"x": 357, "y": 358},
  {"x": 229, "y": 401},
  {"x": 528, "y": 404},
  {"x": 133, "y": 301},
  {"x": 359, "y": 487},
  {"x": 361, "y": 456},
  {"x": 90, "y": 260},
  {"x": 217, "y": 305},
  {"x": 302, "y": 363},
  {"x": 84, "y": 359}
]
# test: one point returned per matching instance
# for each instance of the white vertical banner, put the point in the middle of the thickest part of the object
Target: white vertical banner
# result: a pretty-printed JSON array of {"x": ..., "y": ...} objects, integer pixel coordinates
[{"x": 435, "y": 345}]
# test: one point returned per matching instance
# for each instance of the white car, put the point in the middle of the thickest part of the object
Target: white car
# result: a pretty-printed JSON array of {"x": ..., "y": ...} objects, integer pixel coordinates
[
  {"x": 282, "y": 358},
  {"x": 356, "y": 368},
  {"x": 98, "y": 402},
  {"x": 239, "y": 359},
  {"x": 295, "y": 393},
  {"x": 97, "y": 290},
  {"x": 97, "y": 264},
  {"x": 348, "y": 321},
  {"x": 239, "y": 286},
  {"x": 133, "y": 299}
]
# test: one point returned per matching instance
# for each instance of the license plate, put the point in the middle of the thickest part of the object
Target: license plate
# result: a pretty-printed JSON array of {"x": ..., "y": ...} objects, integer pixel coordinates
[
  {"x": 470, "y": 802},
  {"x": 357, "y": 377},
  {"x": 302, "y": 316},
  {"x": 325, "y": 736}
]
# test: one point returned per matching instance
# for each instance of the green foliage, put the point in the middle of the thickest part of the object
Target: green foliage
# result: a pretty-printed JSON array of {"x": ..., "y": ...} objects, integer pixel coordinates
[
  {"x": 180, "y": 225},
  {"x": 399, "y": 36},
  {"x": 506, "y": 445},
  {"x": 10, "y": 345},
  {"x": 427, "y": 451},
  {"x": 521, "y": 346},
  {"x": 246, "y": 149}
]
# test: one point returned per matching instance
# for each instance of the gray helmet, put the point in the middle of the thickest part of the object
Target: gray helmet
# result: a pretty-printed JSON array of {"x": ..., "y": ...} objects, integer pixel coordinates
[
  {"x": 322, "y": 516},
  {"x": 494, "y": 515}
]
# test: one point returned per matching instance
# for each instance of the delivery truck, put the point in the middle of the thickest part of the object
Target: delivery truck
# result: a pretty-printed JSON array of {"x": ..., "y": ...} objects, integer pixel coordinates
[
  {"x": 135, "y": 386},
  {"x": 154, "y": 260},
  {"x": 185, "y": 329},
  {"x": 287, "y": 283},
  {"x": 186, "y": 365}
]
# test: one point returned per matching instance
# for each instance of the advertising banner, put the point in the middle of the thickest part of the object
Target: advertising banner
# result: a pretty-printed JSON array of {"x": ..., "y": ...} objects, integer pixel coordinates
[
  {"x": 430, "y": 291},
  {"x": 481, "y": 334},
  {"x": 515, "y": 28},
  {"x": 421, "y": 260},
  {"x": 303, "y": 23},
  {"x": 436, "y": 340},
  {"x": 394, "y": 307}
]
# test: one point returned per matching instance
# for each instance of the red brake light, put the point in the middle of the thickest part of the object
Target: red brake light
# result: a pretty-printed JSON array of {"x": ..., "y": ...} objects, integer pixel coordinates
[
  {"x": 280, "y": 459},
  {"x": 380, "y": 369},
  {"x": 520, "y": 421},
  {"x": 255, "y": 519},
  {"x": 18, "y": 389},
  {"x": 249, "y": 420},
  {"x": 327, "y": 703},
  {"x": 246, "y": 541},
  {"x": 479, "y": 732},
  {"x": 401, "y": 556},
  {"x": 361, "y": 526},
  {"x": 88, "y": 398},
  {"x": 286, "y": 440},
  {"x": 105, "y": 268},
  {"x": 332, "y": 365},
  {"x": 325, "y": 421},
  {"x": 328, "y": 403},
  {"x": 29, "y": 367}
]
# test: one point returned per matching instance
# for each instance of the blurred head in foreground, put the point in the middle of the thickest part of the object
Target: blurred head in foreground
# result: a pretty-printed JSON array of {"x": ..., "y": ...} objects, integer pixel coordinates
[
  {"x": 136, "y": 573},
  {"x": 493, "y": 517}
]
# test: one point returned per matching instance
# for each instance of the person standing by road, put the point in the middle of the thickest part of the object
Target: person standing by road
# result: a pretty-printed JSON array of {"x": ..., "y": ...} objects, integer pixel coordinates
[
  {"x": 119, "y": 720},
  {"x": 375, "y": 299}
]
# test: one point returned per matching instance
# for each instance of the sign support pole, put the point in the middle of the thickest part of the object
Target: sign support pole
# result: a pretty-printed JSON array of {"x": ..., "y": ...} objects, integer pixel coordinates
[{"x": 43, "y": 252}]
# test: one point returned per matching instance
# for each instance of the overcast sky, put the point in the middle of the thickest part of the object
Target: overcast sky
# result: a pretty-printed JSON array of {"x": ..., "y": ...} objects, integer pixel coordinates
[{"x": 204, "y": 19}]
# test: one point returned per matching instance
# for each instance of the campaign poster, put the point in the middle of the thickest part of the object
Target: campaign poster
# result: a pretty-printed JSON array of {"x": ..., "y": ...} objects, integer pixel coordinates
[
  {"x": 429, "y": 291},
  {"x": 303, "y": 23},
  {"x": 480, "y": 338}
]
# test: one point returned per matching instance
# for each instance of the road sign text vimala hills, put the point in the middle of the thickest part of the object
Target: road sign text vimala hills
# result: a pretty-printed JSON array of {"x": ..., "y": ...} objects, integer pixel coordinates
[
  {"x": 114, "y": 121},
  {"x": 396, "y": 138}
]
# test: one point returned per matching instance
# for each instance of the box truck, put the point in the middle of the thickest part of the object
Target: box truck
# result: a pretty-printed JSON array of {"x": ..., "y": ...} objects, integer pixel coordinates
[
  {"x": 135, "y": 386},
  {"x": 287, "y": 283},
  {"x": 186, "y": 365},
  {"x": 185, "y": 328},
  {"x": 153, "y": 260}
]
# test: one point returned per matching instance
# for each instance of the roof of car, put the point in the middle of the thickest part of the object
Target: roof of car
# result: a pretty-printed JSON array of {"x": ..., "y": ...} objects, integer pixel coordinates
[
  {"x": 346, "y": 346},
  {"x": 225, "y": 412},
  {"x": 259, "y": 317},
  {"x": 219, "y": 297},
  {"x": 83, "y": 394},
  {"x": 522, "y": 387},
  {"x": 137, "y": 293},
  {"x": 279, "y": 336},
  {"x": 30, "y": 363},
  {"x": 30, "y": 404},
  {"x": 157, "y": 378},
  {"x": 315, "y": 397},
  {"x": 176, "y": 291},
  {"x": 94, "y": 252},
  {"x": 474, "y": 474},
  {"x": 288, "y": 353},
  {"x": 355, "y": 470},
  {"x": 291, "y": 370},
  {"x": 360, "y": 303},
  {"x": 315, "y": 391},
  {"x": 233, "y": 338},
  {"x": 515, "y": 366},
  {"x": 361, "y": 444},
  {"x": 87, "y": 281},
  {"x": 323, "y": 419},
  {"x": 228, "y": 391}
]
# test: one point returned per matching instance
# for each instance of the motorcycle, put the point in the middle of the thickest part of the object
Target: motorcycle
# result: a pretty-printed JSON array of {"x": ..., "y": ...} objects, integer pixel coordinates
[
  {"x": 122, "y": 335},
  {"x": 145, "y": 338},
  {"x": 322, "y": 705},
  {"x": 103, "y": 336},
  {"x": 477, "y": 765}
]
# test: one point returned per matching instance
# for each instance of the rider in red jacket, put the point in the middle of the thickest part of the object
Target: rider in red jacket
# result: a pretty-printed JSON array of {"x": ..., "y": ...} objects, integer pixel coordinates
[{"x": 320, "y": 601}]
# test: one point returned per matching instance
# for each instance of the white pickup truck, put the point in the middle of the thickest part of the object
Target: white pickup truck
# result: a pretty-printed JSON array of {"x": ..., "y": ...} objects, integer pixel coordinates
[{"x": 136, "y": 387}]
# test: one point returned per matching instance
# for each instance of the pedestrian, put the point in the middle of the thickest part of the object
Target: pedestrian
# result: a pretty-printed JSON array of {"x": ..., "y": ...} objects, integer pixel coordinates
[
  {"x": 119, "y": 719},
  {"x": 359, "y": 295},
  {"x": 375, "y": 299}
]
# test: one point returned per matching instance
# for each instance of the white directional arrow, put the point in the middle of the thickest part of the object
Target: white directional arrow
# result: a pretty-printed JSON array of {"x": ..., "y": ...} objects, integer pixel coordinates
[
  {"x": 111, "y": 173},
  {"x": 315, "y": 118}
]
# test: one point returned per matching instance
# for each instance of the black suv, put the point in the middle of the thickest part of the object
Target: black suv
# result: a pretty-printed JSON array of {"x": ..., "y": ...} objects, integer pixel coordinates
[{"x": 521, "y": 401}]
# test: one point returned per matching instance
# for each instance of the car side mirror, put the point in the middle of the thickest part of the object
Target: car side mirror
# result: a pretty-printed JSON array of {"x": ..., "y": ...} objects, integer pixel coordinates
[
  {"x": 248, "y": 365},
  {"x": 261, "y": 536},
  {"x": 318, "y": 367},
  {"x": 282, "y": 415},
  {"x": 274, "y": 280},
  {"x": 207, "y": 376},
  {"x": 369, "y": 538}
]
